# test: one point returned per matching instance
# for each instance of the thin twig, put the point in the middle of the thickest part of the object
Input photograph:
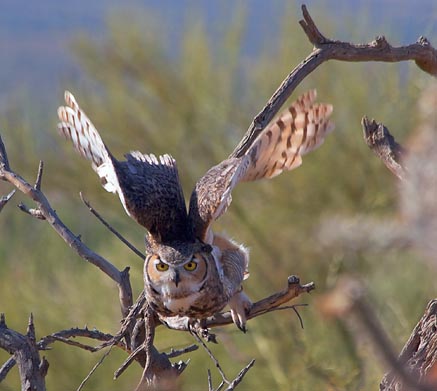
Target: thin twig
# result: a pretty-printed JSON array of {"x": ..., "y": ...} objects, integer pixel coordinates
[
  {"x": 74, "y": 343},
  {"x": 240, "y": 376},
  {"x": 39, "y": 176},
  {"x": 113, "y": 230},
  {"x": 177, "y": 352},
  {"x": 6, "y": 367},
  {"x": 81, "y": 385},
  {"x": 290, "y": 307},
  {"x": 128, "y": 361},
  {"x": 4, "y": 199},
  {"x": 31, "y": 211},
  {"x": 210, "y": 387},
  {"x": 76, "y": 332},
  {"x": 298, "y": 315},
  {"x": 211, "y": 355}
]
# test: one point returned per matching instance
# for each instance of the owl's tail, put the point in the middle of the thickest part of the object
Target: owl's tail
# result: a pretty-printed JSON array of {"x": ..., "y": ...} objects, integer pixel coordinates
[{"x": 74, "y": 125}]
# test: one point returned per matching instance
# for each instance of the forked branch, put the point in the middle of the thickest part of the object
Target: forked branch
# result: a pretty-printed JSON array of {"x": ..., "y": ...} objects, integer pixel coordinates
[
  {"x": 24, "y": 348},
  {"x": 422, "y": 52},
  {"x": 46, "y": 212}
]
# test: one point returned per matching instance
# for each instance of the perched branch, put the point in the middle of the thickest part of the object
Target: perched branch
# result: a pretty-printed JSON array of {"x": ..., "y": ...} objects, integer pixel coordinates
[
  {"x": 383, "y": 144},
  {"x": 46, "y": 211},
  {"x": 32, "y": 369},
  {"x": 269, "y": 304},
  {"x": 326, "y": 49}
]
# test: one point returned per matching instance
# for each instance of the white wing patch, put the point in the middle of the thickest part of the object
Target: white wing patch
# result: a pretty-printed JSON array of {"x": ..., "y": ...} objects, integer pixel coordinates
[{"x": 76, "y": 126}]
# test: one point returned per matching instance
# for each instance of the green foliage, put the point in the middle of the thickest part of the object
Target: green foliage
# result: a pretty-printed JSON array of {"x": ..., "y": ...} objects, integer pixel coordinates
[{"x": 195, "y": 101}]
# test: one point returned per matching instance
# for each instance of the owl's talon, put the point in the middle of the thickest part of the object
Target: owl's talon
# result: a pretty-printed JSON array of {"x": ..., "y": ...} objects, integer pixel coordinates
[
  {"x": 241, "y": 327},
  {"x": 240, "y": 306}
]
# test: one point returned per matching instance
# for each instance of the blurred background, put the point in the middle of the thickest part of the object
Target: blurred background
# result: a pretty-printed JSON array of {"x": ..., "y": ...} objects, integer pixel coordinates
[{"x": 187, "y": 78}]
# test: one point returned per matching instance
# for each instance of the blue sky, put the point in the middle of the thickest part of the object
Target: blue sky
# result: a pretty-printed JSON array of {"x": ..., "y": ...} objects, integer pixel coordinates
[{"x": 35, "y": 35}]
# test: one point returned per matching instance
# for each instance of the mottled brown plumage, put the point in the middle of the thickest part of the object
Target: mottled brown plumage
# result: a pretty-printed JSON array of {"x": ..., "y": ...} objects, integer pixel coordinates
[{"x": 189, "y": 270}]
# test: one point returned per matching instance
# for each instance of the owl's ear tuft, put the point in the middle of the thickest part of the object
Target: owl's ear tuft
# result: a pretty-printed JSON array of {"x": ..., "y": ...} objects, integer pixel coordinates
[
  {"x": 207, "y": 248},
  {"x": 147, "y": 244}
]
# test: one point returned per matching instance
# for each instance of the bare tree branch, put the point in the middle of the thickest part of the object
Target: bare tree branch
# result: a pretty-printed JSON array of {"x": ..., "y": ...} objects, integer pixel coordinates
[
  {"x": 94, "y": 334},
  {"x": 261, "y": 307},
  {"x": 64, "y": 336},
  {"x": 383, "y": 144},
  {"x": 32, "y": 369},
  {"x": 45, "y": 209},
  {"x": 271, "y": 303},
  {"x": 326, "y": 49}
]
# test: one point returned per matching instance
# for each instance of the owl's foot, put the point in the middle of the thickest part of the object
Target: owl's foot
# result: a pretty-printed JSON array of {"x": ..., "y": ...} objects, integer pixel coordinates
[{"x": 240, "y": 305}]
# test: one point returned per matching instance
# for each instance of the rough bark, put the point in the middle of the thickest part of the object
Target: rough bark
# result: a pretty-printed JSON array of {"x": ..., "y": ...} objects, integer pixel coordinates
[
  {"x": 25, "y": 352},
  {"x": 419, "y": 355}
]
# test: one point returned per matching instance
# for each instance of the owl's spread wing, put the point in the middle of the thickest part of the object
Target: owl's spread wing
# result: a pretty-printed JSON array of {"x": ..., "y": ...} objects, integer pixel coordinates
[
  {"x": 280, "y": 146},
  {"x": 148, "y": 186}
]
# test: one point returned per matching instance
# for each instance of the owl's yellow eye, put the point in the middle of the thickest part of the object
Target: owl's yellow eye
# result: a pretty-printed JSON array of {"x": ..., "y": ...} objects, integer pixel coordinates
[
  {"x": 161, "y": 267},
  {"x": 190, "y": 266}
]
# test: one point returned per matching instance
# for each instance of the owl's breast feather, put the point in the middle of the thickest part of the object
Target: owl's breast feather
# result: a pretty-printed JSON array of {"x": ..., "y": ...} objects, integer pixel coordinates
[{"x": 180, "y": 305}]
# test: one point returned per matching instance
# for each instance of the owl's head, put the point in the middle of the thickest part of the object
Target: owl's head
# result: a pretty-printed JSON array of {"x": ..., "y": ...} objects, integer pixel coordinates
[{"x": 177, "y": 269}]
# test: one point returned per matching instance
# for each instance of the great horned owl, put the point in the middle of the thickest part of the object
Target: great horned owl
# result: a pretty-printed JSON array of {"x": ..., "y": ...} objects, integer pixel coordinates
[{"x": 189, "y": 270}]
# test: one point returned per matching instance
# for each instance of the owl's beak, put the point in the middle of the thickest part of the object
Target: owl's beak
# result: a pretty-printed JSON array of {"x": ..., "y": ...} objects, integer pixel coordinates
[{"x": 175, "y": 278}]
